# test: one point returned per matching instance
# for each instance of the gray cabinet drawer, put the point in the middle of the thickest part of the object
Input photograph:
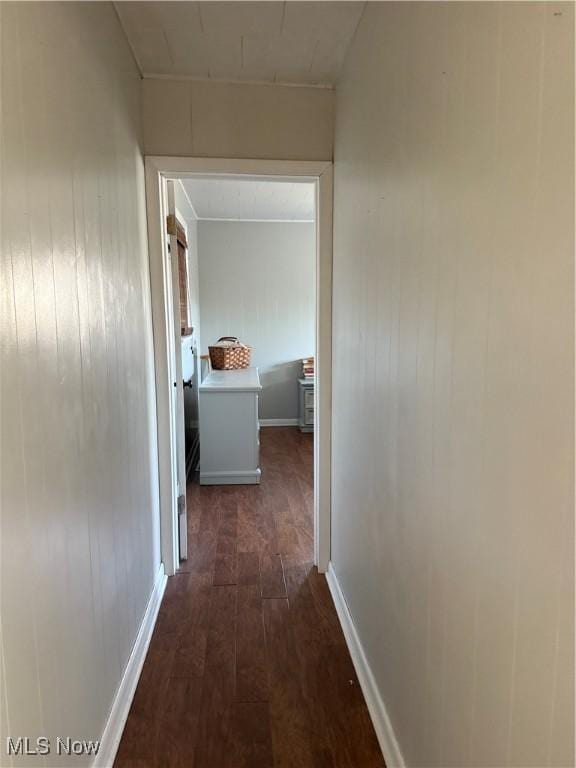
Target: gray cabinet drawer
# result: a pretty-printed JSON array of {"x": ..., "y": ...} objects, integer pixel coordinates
[{"x": 306, "y": 405}]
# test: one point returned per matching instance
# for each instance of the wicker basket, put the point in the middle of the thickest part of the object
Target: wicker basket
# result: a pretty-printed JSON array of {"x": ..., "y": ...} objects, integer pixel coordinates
[{"x": 231, "y": 356}]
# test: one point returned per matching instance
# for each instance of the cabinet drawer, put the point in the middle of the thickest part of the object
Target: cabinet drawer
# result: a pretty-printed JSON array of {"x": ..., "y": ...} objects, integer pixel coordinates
[
  {"x": 308, "y": 398},
  {"x": 309, "y": 416}
]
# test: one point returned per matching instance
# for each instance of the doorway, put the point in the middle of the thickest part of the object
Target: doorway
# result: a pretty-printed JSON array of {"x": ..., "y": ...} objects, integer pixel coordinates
[{"x": 164, "y": 281}]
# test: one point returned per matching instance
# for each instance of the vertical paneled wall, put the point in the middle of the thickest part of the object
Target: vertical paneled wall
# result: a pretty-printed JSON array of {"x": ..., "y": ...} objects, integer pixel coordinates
[
  {"x": 79, "y": 527},
  {"x": 215, "y": 119},
  {"x": 453, "y": 535}
]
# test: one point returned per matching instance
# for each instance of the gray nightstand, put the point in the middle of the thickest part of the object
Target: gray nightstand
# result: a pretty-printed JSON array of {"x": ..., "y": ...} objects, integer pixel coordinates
[{"x": 306, "y": 405}]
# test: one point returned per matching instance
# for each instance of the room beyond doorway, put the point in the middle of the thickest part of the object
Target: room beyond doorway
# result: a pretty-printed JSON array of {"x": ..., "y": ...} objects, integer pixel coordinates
[
  {"x": 159, "y": 171},
  {"x": 252, "y": 276}
]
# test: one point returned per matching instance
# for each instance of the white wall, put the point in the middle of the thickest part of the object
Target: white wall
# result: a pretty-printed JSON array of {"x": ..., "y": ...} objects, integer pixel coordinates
[
  {"x": 452, "y": 530},
  {"x": 233, "y": 120},
  {"x": 257, "y": 282},
  {"x": 79, "y": 522}
]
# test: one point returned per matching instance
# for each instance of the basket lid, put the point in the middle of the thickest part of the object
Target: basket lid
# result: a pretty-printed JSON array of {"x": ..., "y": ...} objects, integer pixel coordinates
[{"x": 228, "y": 342}]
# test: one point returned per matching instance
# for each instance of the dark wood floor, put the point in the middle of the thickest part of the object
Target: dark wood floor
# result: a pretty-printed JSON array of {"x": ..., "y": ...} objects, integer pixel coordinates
[{"x": 247, "y": 667}]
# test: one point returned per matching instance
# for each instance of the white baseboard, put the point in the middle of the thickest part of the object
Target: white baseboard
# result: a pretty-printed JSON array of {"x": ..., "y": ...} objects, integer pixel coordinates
[
  {"x": 110, "y": 740},
  {"x": 382, "y": 725},
  {"x": 240, "y": 477},
  {"x": 279, "y": 422}
]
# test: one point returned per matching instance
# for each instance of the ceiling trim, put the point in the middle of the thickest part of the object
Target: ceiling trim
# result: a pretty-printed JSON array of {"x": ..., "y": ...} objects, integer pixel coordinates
[
  {"x": 224, "y": 81},
  {"x": 185, "y": 167}
]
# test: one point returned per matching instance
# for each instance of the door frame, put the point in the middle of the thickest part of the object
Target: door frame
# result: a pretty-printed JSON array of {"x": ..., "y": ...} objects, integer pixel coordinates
[
  {"x": 178, "y": 416},
  {"x": 158, "y": 170}
]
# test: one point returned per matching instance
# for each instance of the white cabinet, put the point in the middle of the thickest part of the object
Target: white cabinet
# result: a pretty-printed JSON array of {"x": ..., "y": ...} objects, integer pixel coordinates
[
  {"x": 229, "y": 430},
  {"x": 306, "y": 405}
]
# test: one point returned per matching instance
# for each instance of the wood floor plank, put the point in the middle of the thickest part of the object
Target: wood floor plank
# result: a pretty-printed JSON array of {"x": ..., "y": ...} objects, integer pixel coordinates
[
  {"x": 193, "y": 637},
  {"x": 250, "y": 538},
  {"x": 201, "y": 553},
  {"x": 249, "y": 569},
  {"x": 213, "y": 741},
  {"x": 269, "y": 530},
  {"x": 221, "y": 645},
  {"x": 142, "y": 731},
  {"x": 347, "y": 724},
  {"x": 325, "y": 609},
  {"x": 287, "y": 538},
  {"x": 310, "y": 644},
  {"x": 218, "y": 687},
  {"x": 256, "y": 525},
  {"x": 300, "y": 521},
  {"x": 251, "y": 666},
  {"x": 226, "y": 545},
  {"x": 272, "y": 576},
  {"x": 306, "y": 626},
  {"x": 251, "y": 745},
  {"x": 291, "y": 726},
  {"x": 170, "y": 616},
  {"x": 124, "y": 760},
  {"x": 178, "y": 723}
]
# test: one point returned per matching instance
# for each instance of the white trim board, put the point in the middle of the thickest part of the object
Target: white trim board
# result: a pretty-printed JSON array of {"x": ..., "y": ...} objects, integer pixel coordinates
[
  {"x": 279, "y": 422},
  {"x": 231, "y": 81},
  {"x": 376, "y": 707},
  {"x": 240, "y": 477},
  {"x": 110, "y": 740},
  {"x": 257, "y": 221}
]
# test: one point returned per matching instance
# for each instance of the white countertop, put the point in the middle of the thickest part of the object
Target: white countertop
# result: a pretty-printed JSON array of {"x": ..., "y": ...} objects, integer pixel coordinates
[{"x": 243, "y": 380}]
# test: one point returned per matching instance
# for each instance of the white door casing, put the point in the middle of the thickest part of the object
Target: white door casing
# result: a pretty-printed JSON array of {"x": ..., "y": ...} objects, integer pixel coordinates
[
  {"x": 177, "y": 389},
  {"x": 158, "y": 171}
]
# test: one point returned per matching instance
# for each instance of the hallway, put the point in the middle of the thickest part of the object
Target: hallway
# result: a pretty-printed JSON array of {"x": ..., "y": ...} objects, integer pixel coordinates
[{"x": 248, "y": 666}]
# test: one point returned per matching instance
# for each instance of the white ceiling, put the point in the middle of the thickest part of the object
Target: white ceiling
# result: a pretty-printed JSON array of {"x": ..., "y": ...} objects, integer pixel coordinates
[
  {"x": 248, "y": 200},
  {"x": 281, "y": 42}
]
